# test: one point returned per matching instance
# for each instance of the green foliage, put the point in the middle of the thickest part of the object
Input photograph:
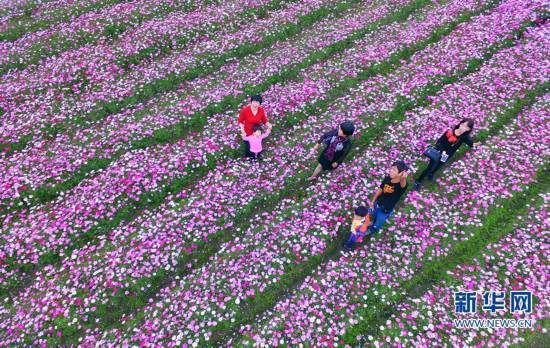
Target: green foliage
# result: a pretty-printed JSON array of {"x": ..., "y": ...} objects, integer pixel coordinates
[
  {"x": 296, "y": 187},
  {"x": 27, "y": 24},
  {"x": 293, "y": 187}
]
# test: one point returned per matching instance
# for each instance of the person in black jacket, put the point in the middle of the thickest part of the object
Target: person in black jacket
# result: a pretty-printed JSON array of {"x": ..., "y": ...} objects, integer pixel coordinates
[
  {"x": 448, "y": 144},
  {"x": 338, "y": 144}
]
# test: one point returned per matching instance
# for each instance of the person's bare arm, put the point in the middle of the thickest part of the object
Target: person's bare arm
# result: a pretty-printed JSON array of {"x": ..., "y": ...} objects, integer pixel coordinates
[
  {"x": 376, "y": 195},
  {"x": 403, "y": 179}
]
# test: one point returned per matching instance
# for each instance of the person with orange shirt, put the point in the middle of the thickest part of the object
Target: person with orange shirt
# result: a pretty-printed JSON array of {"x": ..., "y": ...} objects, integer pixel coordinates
[{"x": 359, "y": 224}]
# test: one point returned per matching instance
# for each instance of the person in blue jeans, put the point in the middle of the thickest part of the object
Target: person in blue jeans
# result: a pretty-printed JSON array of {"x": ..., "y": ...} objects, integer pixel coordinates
[{"x": 388, "y": 194}]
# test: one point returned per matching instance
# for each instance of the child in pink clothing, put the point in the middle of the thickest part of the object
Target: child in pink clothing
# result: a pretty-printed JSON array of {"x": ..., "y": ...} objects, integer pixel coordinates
[{"x": 255, "y": 140}]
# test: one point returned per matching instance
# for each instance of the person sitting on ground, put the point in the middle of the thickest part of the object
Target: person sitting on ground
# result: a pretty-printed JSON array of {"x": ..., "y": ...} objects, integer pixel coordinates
[{"x": 338, "y": 144}]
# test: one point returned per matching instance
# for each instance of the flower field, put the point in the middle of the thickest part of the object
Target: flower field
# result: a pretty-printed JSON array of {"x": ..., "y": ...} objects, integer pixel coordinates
[{"x": 129, "y": 216}]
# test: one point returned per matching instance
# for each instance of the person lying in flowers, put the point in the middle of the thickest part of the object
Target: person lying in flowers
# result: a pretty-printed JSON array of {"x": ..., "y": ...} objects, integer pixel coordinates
[
  {"x": 255, "y": 141},
  {"x": 338, "y": 144},
  {"x": 388, "y": 194},
  {"x": 447, "y": 145},
  {"x": 251, "y": 115}
]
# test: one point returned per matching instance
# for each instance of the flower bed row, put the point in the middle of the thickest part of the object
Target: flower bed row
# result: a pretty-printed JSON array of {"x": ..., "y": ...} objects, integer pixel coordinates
[
  {"x": 77, "y": 212},
  {"x": 16, "y": 8},
  {"x": 50, "y": 161},
  {"x": 291, "y": 238},
  {"x": 352, "y": 288},
  {"x": 27, "y": 8},
  {"x": 127, "y": 32},
  {"x": 34, "y": 17},
  {"x": 112, "y": 90},
  {"x": 515, "y": 263}
]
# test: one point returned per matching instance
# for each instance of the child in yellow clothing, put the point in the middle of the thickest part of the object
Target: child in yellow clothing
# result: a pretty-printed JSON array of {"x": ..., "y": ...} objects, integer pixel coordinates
[{"x": 359, "y": 224}]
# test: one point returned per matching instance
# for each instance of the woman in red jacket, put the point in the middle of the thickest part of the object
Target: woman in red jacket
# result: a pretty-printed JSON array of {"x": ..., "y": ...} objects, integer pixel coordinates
[{"x": 251, "y": 115}]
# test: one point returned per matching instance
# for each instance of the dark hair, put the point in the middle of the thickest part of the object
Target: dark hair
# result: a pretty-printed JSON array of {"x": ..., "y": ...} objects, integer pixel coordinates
[
  {"x": 401, "y": 166},
  {"x": 347, "y": 127},
  {"x": 361, "y": 211},
  {"x": 256, "y": 97},
  {"x": 470, "y": 123},
  {"x": 257, "y": 127}
]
